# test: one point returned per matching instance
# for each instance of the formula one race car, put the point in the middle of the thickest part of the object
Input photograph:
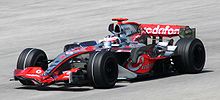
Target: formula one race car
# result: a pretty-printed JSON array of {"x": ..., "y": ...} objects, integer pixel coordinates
[{"x": 132, "y": 50}]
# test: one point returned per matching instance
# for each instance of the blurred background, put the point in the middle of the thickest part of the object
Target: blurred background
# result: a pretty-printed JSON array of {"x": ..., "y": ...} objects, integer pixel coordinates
[{"x": 50, "y": 24}]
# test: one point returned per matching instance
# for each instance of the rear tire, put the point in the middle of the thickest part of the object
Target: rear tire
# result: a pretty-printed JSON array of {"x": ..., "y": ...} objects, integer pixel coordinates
[
  {"x": 31, "y": 57},
  {"x": 102, "y": 70},
  {"x": 190, "y": 55}
]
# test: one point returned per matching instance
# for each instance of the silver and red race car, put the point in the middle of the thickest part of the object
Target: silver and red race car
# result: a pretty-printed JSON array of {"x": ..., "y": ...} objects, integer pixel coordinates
[{"x": 132, "y": 50}]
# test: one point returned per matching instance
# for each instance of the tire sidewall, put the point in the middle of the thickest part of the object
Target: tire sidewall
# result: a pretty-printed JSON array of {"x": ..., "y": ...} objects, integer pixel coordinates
[
  {"x": 194, "y": 44},
  {"x": 184, "y": 61},
  {"x": 96, "y": 69}
]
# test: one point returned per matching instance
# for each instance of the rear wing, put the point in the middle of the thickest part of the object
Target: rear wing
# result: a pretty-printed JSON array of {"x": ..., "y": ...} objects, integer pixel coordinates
[{"x": 166, "y": 30}]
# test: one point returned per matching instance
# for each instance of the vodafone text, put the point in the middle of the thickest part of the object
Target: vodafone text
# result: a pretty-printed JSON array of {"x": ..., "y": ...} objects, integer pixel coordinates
[{"x": 162, "y": 30}]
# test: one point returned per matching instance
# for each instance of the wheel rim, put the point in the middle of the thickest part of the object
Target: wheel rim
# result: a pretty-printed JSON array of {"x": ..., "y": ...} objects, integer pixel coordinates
[
  {"x": 111, "y": 70},
  {"x": 42, "y": 62},
  {"x": 198, "y": 56}
]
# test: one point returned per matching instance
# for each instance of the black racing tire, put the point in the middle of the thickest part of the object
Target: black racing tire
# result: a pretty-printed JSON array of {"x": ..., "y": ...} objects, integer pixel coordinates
[
  {"x": 31, "y": 57},
  {"x": 190, "y": 55},
  {"x": 70, "y": 46},
  {"x": 102, "y": 70}
]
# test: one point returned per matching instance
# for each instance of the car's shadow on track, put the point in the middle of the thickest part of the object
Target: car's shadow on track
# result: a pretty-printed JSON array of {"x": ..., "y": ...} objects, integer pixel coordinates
[
  {"x": 86, "y": 88},
  {"x": 149, "y": 78},
  {"x": 70, "y": 89}
]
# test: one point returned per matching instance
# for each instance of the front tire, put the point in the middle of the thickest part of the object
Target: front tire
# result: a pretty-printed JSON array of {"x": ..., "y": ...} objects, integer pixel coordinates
[
  {"x": 190, "y": 55},
  {"x": 31, "y": 57},
  {"x": 102, "y": 69}
]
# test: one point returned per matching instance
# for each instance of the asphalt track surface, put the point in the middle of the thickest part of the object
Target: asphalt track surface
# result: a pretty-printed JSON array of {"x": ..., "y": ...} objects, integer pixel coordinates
[{"x": 50, "y": 24}]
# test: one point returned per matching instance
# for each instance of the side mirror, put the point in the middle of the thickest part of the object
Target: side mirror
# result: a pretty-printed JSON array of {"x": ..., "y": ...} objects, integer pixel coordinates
[
  {"x": 87, "y": 43},
  {"x": 111, "y": 27}
]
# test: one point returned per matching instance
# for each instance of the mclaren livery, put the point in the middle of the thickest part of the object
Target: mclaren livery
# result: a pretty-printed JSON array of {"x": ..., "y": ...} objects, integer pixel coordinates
[{"x": 132, "y": 50}]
